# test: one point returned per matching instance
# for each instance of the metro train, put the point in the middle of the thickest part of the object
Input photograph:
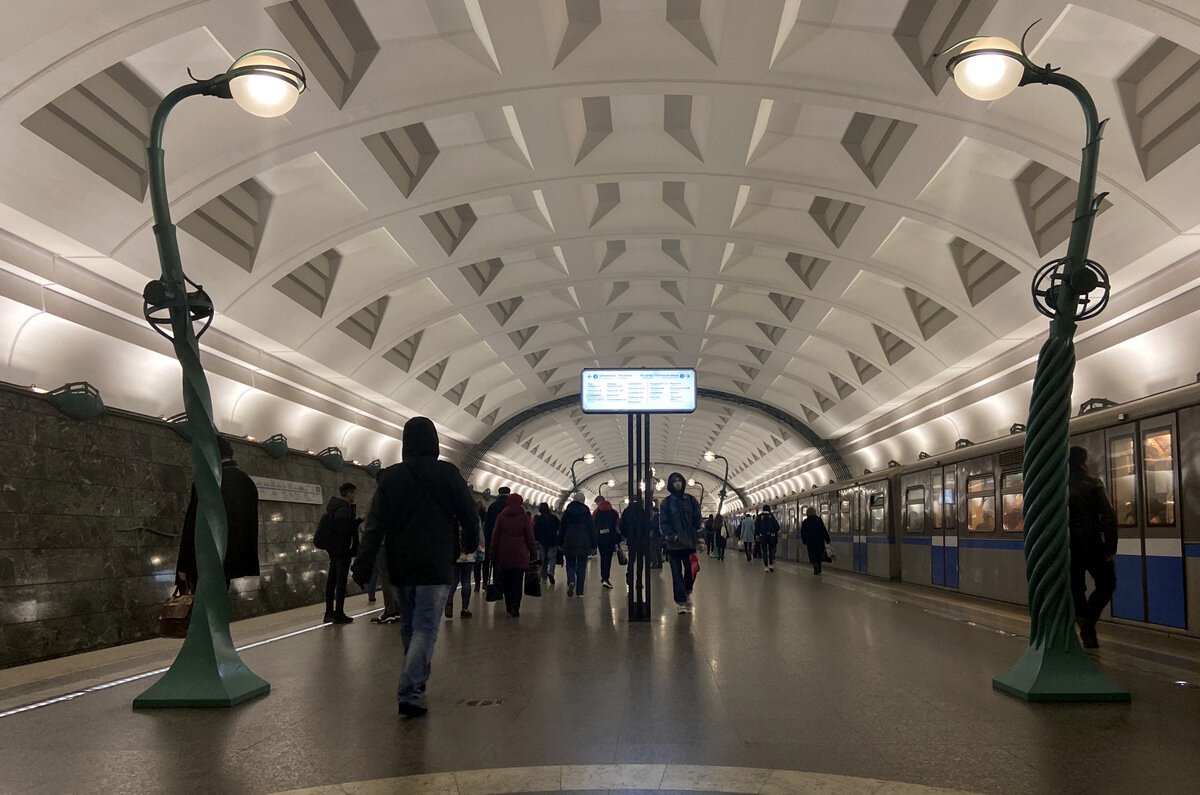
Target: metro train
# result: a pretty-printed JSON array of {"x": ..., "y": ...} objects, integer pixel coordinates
[{"x": 954, "y": 520}]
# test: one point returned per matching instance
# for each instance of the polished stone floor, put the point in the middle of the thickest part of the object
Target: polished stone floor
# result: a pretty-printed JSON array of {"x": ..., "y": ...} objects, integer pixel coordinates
[{"x": 777, "y": 683}]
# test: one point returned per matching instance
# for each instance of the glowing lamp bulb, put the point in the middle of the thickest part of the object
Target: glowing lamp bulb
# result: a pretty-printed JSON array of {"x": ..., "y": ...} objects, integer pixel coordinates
[
  {"x": 988, "y": 75},
  {"x": 268, "y": 93}
]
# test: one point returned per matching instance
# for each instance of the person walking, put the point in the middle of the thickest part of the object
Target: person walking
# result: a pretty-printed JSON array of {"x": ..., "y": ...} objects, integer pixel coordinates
[
  {"x": 680, "y": 522},
  {"x": 746, "y": 530},
  {"x": 489, "y": 524},
  {"x": 720, "y": 535},
  {"x": 513, "y": 547},
  {"x": 415, "y": 516},
  {"x": 766, "y": 528},
  {"x": 472, "y": 553},
  {"x": 578, "y": 540},
  {"x": 545, "y": 532},
  {"x": 814, "y": 536},
  {"x": 1093, "y": 529},
  {"x": 342, "y": 547},
  {"x": 607, "y": 521}
]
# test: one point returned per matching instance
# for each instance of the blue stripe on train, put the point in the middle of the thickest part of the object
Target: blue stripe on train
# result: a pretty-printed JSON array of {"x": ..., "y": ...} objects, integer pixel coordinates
[
  {"x": 920, "y": 542},
  {"x": 1191, "y": 550},
  {"x": 952, "y": 566},
  {"x": 991, "y": 543},
  {"x": 1127, "y": 600}
]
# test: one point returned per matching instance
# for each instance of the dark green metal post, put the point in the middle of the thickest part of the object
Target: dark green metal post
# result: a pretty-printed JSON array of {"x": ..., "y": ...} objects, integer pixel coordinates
[
  {"x": 724, "y": 483},
  {"x": 207, "y": 671},
  {"x": 1054, "y": 666}
]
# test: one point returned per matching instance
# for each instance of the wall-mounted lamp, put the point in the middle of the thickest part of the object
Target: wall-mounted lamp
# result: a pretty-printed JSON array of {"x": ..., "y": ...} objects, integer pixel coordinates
[
  {"x": 179, "y": 424},
  {"x": 374, "y": 468},
  {"x": 961, "y": 443},
  {"x": 331, "y": 459},
  {"x": 78, "y": 399},
  {"x": 1095, "y": 404},
  {"x": 866, "y": 471},
  {"x": 893, "y": 463},
  {"x": 276, "y": 446},
  {"x": 1017, "y": 427},
  {"x": 922, "y": 455}
]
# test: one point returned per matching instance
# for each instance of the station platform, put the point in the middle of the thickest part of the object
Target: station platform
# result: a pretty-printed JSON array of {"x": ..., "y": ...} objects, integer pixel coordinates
[{"x": 778, "y": 683}]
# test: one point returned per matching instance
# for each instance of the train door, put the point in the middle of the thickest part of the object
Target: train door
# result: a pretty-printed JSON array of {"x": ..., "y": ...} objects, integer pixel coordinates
[
  {"x": 1142, "y": 470},
  {"x": 859, "y": 522},
  {"x": 943, "y": 528}
]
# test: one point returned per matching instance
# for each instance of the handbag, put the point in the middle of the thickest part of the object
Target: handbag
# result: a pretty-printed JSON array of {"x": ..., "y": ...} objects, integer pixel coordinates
[
  {"x": 694, "y": 562},
  {"x": 830, "y": 557},
  {"x": 494, "y": 592},
  {"x": 176, "y": 614},
  {"x": 533, "y": 583},
  {"x": 622, "y": 555}
]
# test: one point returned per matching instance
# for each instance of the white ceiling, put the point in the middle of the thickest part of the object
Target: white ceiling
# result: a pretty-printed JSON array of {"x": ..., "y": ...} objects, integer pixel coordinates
[{"x": 770, "y": 192}]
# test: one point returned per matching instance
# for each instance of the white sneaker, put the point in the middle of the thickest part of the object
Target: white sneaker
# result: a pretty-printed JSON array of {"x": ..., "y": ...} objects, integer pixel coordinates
[{"x": 683, "y": 609}]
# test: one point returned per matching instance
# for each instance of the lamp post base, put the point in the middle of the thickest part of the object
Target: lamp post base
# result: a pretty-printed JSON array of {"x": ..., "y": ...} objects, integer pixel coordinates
[
  {"x": 1043, "y": 674},
  {"x": 203, "y": 686}
]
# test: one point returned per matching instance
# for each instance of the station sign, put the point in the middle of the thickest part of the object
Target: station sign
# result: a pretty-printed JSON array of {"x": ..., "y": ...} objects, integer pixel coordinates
[{"x": 638, "y": 391}]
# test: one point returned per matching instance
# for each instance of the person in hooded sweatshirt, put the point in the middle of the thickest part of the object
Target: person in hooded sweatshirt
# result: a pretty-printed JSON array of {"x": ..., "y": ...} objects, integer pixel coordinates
[
  {"x": 545, "y": 532},
  {"x": 680, "y": 522},
  {"x": 415, "y": 515},
  {"x": 578, "y": 540},
  {"x": 607, "y": 520},
  {"x": 513, "y": 547},
  {"x": 341, "y": 550}
]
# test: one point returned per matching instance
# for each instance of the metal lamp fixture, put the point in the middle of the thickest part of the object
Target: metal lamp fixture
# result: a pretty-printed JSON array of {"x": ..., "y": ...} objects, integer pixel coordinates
[
  {"x": 78, "y": 399},
  {"x": 207, "y": 671},
  {"x": 276, "y": 446},
  {"x": 587, "y": 458},
  {"x": 709, "y": 455},
  {"x": 1054, "y": 666},
  {"x": 374, "y": 468},
  {"x": 332, "y": 459},
  {"x": 610, "y": 483}
]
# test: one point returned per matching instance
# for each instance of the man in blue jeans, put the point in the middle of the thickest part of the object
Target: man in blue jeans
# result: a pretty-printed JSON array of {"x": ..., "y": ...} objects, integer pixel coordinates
[
  {"x": 415, "y": 515},
  {"x": 680, "y": 522}
]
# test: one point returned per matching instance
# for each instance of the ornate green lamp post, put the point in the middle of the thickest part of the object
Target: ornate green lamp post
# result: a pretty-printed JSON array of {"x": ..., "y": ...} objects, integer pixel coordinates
[
  {"x": 693, "y": 482},
  {"x": 709, "y": 455},
  {"x": 587, "y": 458},
  {"x": 207, "y": 671},
  {"x": 600, "y": 489},
  {"x": 1054, "y": 666}
]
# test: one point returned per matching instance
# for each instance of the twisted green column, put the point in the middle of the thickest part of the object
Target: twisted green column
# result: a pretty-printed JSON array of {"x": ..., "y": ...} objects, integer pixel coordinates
[
  {"x": 207, "y": 672},
  {"x": 1054, "y": 667}
]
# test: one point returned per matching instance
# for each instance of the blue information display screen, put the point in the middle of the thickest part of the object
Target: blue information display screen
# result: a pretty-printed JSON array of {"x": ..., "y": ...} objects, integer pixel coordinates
[{"x": 630, "y": 391}]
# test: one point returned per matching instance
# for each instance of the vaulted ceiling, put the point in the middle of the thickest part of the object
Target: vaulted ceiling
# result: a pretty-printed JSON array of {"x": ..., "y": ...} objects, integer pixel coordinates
[{"x": 475, "y": 200}]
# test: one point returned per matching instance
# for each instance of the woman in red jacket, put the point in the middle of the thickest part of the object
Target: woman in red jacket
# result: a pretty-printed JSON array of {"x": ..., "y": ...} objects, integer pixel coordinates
[{"x": 513, "y": 547}]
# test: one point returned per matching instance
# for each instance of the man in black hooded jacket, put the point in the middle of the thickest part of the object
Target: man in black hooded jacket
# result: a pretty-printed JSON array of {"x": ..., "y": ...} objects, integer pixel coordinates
[
  {"x": 415, "y": 515},
  {"x": 680, "y": 523}
]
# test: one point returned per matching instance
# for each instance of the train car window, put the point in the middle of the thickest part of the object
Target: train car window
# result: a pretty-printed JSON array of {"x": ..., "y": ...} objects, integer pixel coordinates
[
  {"x": 914, "y": 510},
  {"x": 878, "y": 514},
  {"x": 1124, "y": 480},
  {"x": 936, "y": 499},
  {"x": 1158, "y": 465},
  {"x": 981, "y": 504},
  {"x": 824, "y": 511},
  {"x": 1012, "y": 501},
  {"x": 844, "y": 518},
  {"x": 949, "y": 505}
]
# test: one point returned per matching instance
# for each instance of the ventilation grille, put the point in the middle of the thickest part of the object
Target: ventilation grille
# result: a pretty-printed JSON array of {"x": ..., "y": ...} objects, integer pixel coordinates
[
  {"x": 310, "y": 284},
  {"x": 455, "y": 394},
  {"x": 521, "y": 338},
  {"x": 232, "y": 223},
  {"x": 450, "y": 226},
  {"x": 866, "y": 371},
  {"x": 504, "y": 310},
  {"x": 931, "y": 316},
  {"x": 809, "y": 269},
  {"x": 597, "y": 123},
  {"x": 402, "y": 355},
  {"x": 363, "y": 325},
  {"x": 894, "y": 348},
  {"x": 608, "y": 196},
  {"x": 677, "y": 122},
  {"x": 332, "y": 40},
  {"x": 432, "y": 377},
  {"x": 874, "y": 143},
  {"x": 843, "y": 389},
  {"x": 405, "y": 154},
  {"x": 788, "y": 305},
  {"x": 1161, "y": 95},
  {"x": 836, "y": 218},
  {"x": 481, "y": 275},
  {"x": 104, "y": 124},
  {"x": 982, "y": 272}
]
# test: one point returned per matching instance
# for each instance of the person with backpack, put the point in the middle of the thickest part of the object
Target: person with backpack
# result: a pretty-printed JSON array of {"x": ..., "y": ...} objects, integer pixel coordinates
[
  {"x": 545, "y": 532},
  {"x": 607, "y": 521},
  {"x": 578, "y": 540},
  {"x": 338, "y": 530},
  {"x": 766, "y": 527},
  {"x": 415, "y": 516}
]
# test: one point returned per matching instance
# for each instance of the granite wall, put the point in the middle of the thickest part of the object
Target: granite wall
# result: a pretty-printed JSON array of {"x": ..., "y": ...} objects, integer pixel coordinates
[{"x": 90, "y": 513}]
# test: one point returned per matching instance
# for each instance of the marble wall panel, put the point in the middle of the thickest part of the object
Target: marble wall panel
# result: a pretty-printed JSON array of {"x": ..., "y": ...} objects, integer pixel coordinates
[{"x": 90, "y": 515}]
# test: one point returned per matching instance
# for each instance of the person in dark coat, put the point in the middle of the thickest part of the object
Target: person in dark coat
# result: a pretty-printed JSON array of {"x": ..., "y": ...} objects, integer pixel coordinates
[
  {"x": 513, "y": 547},
  {"x": 814, "y": 535},
  {"x": 1093, "y": 528},
  {"x": 545, "y": 532},
  {"x": 240, "y": 496},
  {"x": 578, "y": 540},
  {"x": 343, "y": 545},
  {"x": 489, "y": 524},
  {"x": 680, "y": 522},
  {"x": 767, "y": 529},
  {"x": 607, "y": 520},
  {"x": 415, "y": 516}
]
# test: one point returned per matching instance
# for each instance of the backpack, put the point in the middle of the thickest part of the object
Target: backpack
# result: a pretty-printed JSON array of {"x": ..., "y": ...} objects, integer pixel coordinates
[{"x": 323, "y": 538}]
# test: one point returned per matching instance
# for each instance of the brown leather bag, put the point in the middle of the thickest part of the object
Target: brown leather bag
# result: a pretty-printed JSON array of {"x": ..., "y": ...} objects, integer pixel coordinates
[{"x": 176, "y": 613}]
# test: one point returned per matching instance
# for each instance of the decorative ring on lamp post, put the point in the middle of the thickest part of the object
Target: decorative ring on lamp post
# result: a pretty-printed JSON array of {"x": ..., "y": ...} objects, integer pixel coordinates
[{"x": 1051, "y": 278}]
